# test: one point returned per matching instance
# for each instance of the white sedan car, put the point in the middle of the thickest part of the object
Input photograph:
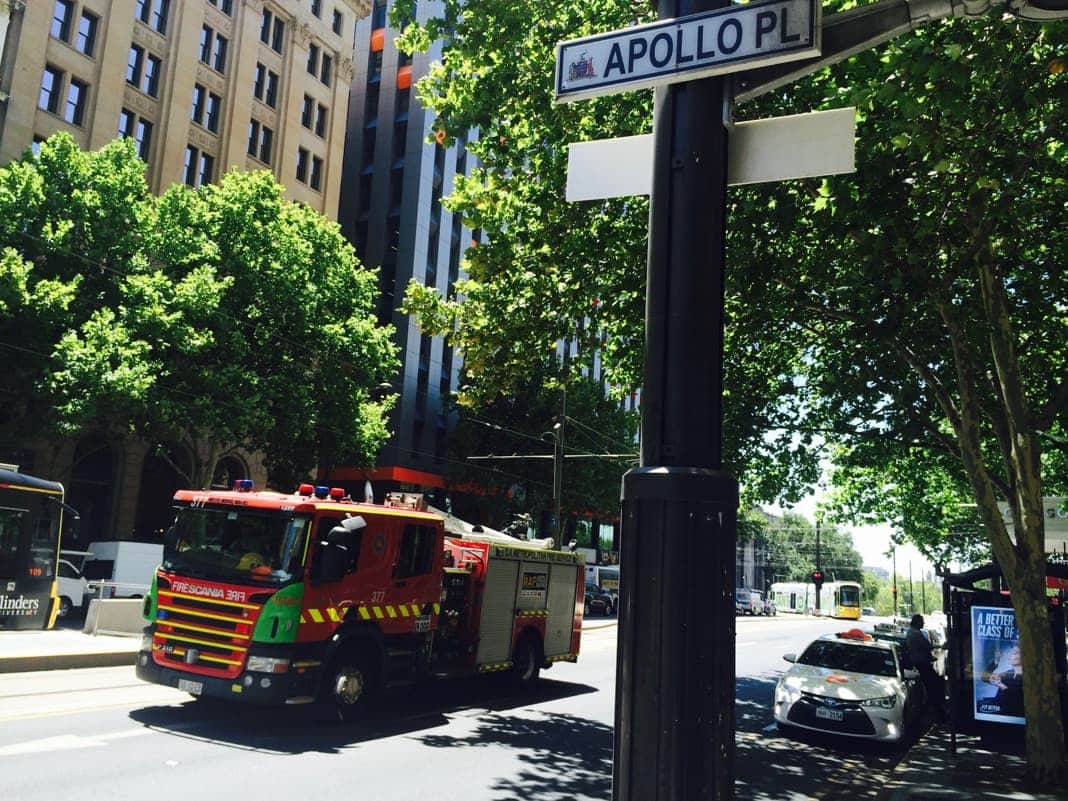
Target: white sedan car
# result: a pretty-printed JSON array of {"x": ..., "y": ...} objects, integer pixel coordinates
[{"x": 849, "y": 684}]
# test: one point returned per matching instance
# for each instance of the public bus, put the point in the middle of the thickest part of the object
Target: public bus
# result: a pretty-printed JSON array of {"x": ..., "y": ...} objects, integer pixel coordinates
[
  {"x": 31, "y": 518},
  {"x": 839, "y": 599}
]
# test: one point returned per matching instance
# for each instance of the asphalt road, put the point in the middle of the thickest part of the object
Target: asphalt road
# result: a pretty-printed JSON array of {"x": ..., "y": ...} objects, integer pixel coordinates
[{"x": 100, "y": 733}]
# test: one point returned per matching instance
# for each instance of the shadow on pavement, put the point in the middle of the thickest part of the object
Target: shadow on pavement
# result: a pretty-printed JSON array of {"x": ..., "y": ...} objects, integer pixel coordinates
[
  {"x": 295, "y": 730},
  {"x": 562, "y": 756}
]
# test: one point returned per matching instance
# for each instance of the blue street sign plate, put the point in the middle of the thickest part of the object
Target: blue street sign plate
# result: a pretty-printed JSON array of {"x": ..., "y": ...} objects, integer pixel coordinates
[{"x": 671, "y": 51}]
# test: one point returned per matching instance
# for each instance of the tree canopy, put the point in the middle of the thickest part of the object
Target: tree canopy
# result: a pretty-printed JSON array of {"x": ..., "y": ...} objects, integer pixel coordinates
[
  {"x": 911, "y": 313},
  {"x": 212, "y": 318}
]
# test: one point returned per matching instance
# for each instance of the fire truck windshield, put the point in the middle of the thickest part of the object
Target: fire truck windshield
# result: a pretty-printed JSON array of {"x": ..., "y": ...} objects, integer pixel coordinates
[{"x": 227, "y": 545}]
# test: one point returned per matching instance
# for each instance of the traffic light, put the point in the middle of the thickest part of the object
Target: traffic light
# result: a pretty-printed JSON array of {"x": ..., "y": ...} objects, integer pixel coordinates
[{"x": 817, "y": 578}]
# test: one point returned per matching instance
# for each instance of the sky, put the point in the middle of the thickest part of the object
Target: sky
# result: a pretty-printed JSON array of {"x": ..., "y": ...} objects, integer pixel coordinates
[{"x": 872, "y": 542}]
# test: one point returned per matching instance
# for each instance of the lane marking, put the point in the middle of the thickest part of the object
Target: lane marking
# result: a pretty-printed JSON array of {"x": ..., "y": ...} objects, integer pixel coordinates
[{"x": 70, "y": 742}]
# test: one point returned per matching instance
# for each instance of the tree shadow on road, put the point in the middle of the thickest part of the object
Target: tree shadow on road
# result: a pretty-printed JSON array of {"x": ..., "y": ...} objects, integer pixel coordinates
[
  {"x": 563, "y": 756},
  {"x": 295, "y": 730}
]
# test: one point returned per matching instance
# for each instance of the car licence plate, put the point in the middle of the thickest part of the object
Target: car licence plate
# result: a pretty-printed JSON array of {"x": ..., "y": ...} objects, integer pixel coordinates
[
  {"x": 830, "y": 714},
  {"x": 192, "y": 687}
]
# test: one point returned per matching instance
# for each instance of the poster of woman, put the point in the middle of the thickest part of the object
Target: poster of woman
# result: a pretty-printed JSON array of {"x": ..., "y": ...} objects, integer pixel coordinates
[{"x": 997, "y": 679}]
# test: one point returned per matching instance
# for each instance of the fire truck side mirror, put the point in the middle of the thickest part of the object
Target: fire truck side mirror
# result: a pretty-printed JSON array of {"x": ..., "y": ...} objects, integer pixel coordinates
[{"x": 333, "y": 556}]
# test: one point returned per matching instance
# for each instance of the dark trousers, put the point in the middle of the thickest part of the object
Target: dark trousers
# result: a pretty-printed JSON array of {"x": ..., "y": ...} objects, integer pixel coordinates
[{"x": 932, "y": 682}]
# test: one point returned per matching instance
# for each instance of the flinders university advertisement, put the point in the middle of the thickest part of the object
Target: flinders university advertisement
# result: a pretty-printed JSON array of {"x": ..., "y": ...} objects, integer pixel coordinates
[{"x": 997, "y": 679}]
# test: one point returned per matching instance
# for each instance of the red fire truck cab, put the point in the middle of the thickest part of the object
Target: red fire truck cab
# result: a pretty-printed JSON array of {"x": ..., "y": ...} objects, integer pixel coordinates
[{"x": 311, "y": 597}]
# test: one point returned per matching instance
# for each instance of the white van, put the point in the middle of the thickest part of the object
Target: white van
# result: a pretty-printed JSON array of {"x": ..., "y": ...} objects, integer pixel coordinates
[
  {"x": 126, "y": 567},
  {"x": 71, "y": 586}
]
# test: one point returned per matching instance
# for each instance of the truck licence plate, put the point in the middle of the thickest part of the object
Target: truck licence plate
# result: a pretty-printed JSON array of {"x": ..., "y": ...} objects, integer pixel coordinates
[
  {"x": 192, "y": 687},
  {"x": 830, "y": 714}
]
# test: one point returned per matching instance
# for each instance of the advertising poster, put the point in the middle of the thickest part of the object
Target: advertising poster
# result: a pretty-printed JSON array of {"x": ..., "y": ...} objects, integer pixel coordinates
[{"x": 997, "y": 678}]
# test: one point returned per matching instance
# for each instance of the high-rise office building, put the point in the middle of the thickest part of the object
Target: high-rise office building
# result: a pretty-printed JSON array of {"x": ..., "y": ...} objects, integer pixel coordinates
[
  {"x": 200, "y": 85},
  {"x": 394, "y": 180}
]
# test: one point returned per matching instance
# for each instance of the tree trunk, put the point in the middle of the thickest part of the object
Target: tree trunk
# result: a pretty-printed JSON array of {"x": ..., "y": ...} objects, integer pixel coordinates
[{"x": 1047, "y": 762}]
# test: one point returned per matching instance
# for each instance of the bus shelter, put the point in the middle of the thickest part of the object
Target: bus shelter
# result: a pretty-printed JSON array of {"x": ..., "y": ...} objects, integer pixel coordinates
[{"x": 983, "y": 673}]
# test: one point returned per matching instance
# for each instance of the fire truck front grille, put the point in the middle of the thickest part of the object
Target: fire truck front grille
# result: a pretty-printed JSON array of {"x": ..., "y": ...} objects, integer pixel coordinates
[{"x": 203, "y": 635}]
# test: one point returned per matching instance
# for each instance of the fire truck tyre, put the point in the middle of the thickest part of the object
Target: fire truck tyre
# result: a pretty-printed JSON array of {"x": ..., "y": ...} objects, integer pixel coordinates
[
  {"x": 348, "y": 687},
  {"x": 526, "y": 666},
  {"x": 64, "y": 607}
]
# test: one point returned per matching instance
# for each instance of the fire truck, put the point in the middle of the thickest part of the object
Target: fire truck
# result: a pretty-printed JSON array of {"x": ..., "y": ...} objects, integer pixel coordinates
[{"x": 314, "y": 598}]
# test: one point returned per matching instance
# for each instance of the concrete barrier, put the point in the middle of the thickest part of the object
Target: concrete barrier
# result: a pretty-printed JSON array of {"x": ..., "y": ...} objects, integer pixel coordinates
[{"x": 114, "y": 616}]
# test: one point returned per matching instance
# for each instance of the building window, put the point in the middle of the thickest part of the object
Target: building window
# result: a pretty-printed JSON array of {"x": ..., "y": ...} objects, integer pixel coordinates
[
  {"x": 272, "y": 31},
  {"x": 150, "y": 84},
  {"x": 378, "y": 15},
  {"x": 153, "y": 13},
  {"x": 200, "y": 95},
  {"x": 374, "y": 66},
  {"x": 317, "y": 8},
  {"x": 260, "y": 141},
  {"x": 272, "y": 89},
  {"x": 213, "y": 47},
  {"x": 126, "y": 122},
  {"x": 320, "y": 120},
  {"x": 226, "y": 6},
  {"x": 302, "y": 165},
  {"x": 313, "y": 59},
  {"x": 74, "y": 113},
  {"x": 306, "y": 112},
  {"x": 198, "y": 167},
  {"x": 134, "y": 65},
  {"x": 50, "y": 88},
  {"x": 86, "y": 41},
  {"x": 143, "y": 138},
  {"x": 316, "y": 181},
  {"x": 265, "y": 87},
  {"x": 62, "y": 16},
  {"x": 339, "y": 22},
  {"x": 206, "y": 108},
  {"x": 218, "y": 55},
  {"x": 327, "y": 70},
  {"x": 214, "y": 112}
]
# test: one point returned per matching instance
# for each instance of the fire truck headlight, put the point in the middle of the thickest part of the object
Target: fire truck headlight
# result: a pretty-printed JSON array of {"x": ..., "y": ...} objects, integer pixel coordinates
[
  {"x": 146, "y": 642},
  {"x": 267, "y": 664}
]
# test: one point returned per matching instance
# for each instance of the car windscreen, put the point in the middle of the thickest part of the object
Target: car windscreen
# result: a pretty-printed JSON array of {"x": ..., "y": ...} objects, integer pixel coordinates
[
  {"x": 849, "y": 596},
  {"x": 853, "y": 658},
  {"x": 236, "y": 546}
]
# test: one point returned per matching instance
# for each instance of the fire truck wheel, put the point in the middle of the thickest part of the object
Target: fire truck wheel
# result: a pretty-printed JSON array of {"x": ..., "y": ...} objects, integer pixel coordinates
[
  {"x": 527, "y": 663},
  {"x": 348, "y": 687}
]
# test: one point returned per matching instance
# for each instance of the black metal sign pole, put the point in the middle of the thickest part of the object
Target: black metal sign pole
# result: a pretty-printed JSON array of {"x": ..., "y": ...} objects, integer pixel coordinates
[{"x": 674, "y": 735}]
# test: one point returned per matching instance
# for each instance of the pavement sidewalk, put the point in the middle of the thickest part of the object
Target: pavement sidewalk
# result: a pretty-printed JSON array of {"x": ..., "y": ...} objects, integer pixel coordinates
[
  {"x": 979, "y": 771},
  {"x": 65, "y": 649}
]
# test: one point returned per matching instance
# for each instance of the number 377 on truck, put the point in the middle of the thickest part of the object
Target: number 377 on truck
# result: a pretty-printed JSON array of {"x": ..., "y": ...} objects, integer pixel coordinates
[{"x": 312, "y": 598}]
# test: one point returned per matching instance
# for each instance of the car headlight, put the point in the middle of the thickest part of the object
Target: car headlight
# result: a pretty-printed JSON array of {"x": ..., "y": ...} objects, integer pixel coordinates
[
  {"x": 888, "y": 702},
  {"x": 785, "y": 694},
  {"x": 267, "y": 664}
]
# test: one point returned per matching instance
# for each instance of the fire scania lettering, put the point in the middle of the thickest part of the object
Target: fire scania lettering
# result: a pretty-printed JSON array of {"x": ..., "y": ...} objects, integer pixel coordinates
[{"x": 310, "y": 597}]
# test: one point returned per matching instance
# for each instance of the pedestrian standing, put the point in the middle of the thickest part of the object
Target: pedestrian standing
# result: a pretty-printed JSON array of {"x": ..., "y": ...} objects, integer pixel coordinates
[{"x": 921, "y": 654}]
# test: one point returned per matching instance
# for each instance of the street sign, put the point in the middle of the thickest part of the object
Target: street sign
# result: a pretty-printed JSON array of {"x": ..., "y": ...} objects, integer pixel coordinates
[
  {"x": 684, "y": 49},
  {"x": 776, "y": 149}
]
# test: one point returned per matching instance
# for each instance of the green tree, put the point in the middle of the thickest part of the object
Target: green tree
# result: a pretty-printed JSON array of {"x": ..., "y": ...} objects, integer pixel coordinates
[
  {"x": 792, "y": 548},
  {"x": 215, "y": 318},
  {"x": 522, "y": 424},
  {"x": 931, "y": 285},
  {"x": 552, "y": 270},
  {"x": 921, "y": 299}
]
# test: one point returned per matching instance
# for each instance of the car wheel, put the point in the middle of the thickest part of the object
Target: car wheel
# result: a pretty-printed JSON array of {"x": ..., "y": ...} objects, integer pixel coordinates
[
  {"x": 608, "y": 609},
  {"x": 586, "y": 608},
  {"x": 526, "y": 665},
  {"x": 64, "y": 607},
  {"x": 348, "y": 687}
]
